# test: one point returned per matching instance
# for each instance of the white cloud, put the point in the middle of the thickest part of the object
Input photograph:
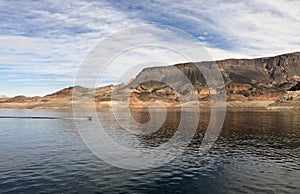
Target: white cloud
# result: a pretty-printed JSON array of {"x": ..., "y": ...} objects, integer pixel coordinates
[
  {"x": 254, "y": 28},
  {"x": 251, "y": 28}
]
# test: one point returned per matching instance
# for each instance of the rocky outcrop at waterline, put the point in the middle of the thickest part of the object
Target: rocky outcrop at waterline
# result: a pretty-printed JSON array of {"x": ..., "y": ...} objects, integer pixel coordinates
[
  {"x": 245, "y": 80},
  {"x": 289, "y": 100}
]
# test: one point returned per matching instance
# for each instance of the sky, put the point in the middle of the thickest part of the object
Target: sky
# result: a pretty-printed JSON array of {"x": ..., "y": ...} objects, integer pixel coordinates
[{"x": 43, "y": 43}]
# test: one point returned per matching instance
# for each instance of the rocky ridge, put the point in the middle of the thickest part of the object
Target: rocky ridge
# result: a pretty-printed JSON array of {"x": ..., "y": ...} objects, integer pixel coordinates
[
  {"x": 261, "y": 79},
  {"x": 245, "y": 80}
]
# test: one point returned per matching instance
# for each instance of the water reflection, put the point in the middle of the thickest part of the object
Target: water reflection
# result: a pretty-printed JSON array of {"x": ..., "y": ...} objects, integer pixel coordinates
[{"x": 257, "y": 151}]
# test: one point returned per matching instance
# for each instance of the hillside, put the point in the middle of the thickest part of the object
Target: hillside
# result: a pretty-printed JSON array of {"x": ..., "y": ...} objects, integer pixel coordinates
[{"x": 245, "y": 79}]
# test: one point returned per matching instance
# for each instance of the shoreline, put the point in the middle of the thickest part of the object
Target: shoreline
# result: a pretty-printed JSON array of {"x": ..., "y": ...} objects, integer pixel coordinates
[{"x": 119, "y": 105}]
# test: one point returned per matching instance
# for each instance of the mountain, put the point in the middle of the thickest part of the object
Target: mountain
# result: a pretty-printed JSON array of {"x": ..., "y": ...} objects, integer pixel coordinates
[{"x": 245, "y": 80}]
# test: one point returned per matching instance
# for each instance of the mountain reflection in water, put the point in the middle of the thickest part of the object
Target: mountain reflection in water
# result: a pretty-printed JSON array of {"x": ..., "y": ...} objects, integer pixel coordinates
[{"x": 257, "y": 151}]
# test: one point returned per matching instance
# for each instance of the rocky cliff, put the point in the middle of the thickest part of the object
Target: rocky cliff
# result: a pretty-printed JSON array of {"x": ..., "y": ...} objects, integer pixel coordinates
[{"x": 245, "y": 79}]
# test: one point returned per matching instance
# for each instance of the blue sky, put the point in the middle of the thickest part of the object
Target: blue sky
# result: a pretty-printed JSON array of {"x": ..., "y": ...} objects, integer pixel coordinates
[{"x": 43, "y": 43}]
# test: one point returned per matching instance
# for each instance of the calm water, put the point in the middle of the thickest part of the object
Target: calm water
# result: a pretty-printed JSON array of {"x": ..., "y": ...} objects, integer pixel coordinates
[{"x": 257, "y": 151}]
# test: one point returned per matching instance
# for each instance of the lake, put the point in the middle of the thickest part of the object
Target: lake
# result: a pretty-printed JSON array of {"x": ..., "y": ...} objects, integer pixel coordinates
[{"x": 258, "y": 150}]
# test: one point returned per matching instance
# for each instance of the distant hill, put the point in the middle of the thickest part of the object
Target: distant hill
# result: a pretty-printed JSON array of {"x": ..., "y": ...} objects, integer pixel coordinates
[{"x": 68, "y": 91}]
